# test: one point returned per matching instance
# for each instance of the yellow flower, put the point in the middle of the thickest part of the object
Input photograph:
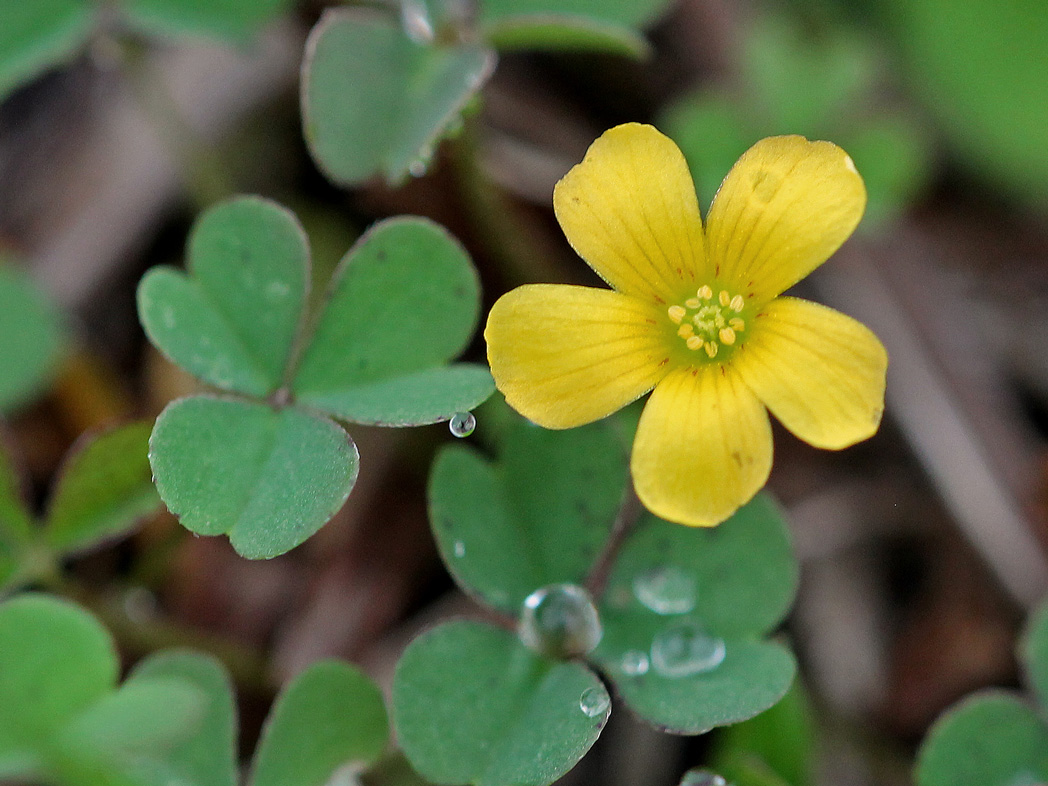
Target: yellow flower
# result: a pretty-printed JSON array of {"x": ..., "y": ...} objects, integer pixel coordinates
[{"x": 696, "y": 315}]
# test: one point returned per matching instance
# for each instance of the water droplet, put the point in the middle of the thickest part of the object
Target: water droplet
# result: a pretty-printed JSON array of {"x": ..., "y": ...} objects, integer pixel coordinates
[
  {"x": 684, "y": 650},
  {"x": 1026, "y": 778},
  {"x": 666, "y": 589},
  {"x": 462, "y": 424},
  {"x": 702, "y": 777},
  {"x": 594, "y": 701},
  {"x": 560, "y": 620},
  {"x": 635, "y": 663},
  {"x": 414, "y": 17},
  {"x": 169, "y": 318},
  {"x": 276, "y": 290},
  {"x": 460, "y": 549}
]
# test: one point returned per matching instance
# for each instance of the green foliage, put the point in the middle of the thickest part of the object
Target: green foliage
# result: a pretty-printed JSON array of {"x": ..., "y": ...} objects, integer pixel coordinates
[
  {"x": 62, "y": 716},
  {"x": 31, "y": 336},
  {"x": 233, "y": 20},
  {"x": 269, "y": 472},
  {"x": 37, "y": 35},
  {"x": 979, "y": 70},
  {"x": 683, "y": 611},
  {"x": 537, "y": 516},
  {"x": 103, "y": 491},
  {"x": 471, "y": 704},
  {"x": 824, "y": 88},
  {"x": 994, "y": 738},
  {"x": 406, "y": 95},
  {"x": 329, "y": 716}
]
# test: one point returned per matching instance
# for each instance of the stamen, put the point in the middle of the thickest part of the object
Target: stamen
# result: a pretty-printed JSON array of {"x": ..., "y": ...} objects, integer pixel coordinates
[
  {"x": 677, "y": 313},
  {"x": 737, "y": 324},
  {"x": 692, "y": 302},
  {"x": 694, "y": 342},
  {"x": 686, "y": 330},
  {"x": 724, "y": 298},
  {"x": 727, "y": 336},
  {"x": 711, "y": 349},
  {"x": 737, "y": 303},
  {"x": 705, "y": 292}
]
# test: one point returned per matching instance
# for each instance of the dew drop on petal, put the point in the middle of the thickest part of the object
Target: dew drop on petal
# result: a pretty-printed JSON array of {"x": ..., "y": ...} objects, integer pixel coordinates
[
  {"x": 462, "y": 424},
  {"x": 702, "y": 777},
  {"x": 560, "y": 620},
  {"x": 635, "y": 663},
  {"x": 594, "y": 701},
  {"x": 685, "y": 650},
  {"x": 666, "y": 589}
]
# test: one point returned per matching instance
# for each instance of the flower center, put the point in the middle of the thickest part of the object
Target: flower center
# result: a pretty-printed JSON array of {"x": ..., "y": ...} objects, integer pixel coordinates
[{"x": 709, "y": 320}]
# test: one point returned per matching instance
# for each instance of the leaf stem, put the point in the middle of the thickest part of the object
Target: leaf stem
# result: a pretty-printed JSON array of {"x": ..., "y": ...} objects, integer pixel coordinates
[{"x": 625, "y": 522}]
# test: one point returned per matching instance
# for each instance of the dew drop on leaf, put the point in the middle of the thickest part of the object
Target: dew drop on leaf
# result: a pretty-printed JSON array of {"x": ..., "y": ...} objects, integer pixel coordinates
[
  {"x": 635, "y": 663},
  {"x": 561, "y": 621},
  {"x": 684, "y": 650},
  {"x": 460, "y": 549},
  {"x": 462, "y": 424},
  {"x": 665, "y": 590},
  {"x": 702, "y": 777},
  {"x": 594, "y": 701}
]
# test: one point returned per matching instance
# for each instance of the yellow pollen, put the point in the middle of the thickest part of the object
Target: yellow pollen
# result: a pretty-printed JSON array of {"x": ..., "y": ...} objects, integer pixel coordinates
[
  {"x": 677, "y": 313},
  {"x": 737, "y": 324},
  {"x": 705, "y": 292},
  {"x": 724, "y": 299},
  {"x": 727, "y": 336},
  {"x": 686, "y": 331},
  {"x": 694, "y": 342},
  {"x": 692, "y": 302},
  {"x": 710, "y": 320},
  {"x": 737, "y": 303},
  {"x": 711, "y": 349}
]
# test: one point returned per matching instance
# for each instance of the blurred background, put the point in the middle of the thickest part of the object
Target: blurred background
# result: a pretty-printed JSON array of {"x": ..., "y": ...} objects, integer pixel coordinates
[{"x": 921, "y": 549}]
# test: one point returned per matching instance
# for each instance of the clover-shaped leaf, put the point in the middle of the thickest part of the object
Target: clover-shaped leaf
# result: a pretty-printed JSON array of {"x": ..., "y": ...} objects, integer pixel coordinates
[
  {"x": 61, "y": 713},
  {"x": 537, "y": 516},
  {"x": 268, "y": 468},
  {"x": 1033, "y": 652},
  {"x": 328, "y": 716},
  {"x": 471, "y": 704},
  {"x": 233, "y": 20},
  {"x": 404, "y": 94},
  {"x": 684, "y": 612},
  {"x": 31, "y": 335}
]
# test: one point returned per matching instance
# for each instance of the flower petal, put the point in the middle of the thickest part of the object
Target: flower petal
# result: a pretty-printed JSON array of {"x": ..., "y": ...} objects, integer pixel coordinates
[
  {"x": 703, "y": 447},
  {"x": 629, "y": 209},
  {"x": 783, "y": 209},
  {"x": 564, "y": 356},
  {"x": 821, "y": 373}
]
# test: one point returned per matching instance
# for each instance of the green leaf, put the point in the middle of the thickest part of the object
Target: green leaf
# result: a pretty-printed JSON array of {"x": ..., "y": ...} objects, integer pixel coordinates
[
  {"x": 1033, "y": 651},
  {"x": 232, "y": 320},
  {"x": 537, "y": 516},
  {"x": 208, "y": 757},
  {"x": 39, "y": 35},
  {"x": 145, "y": 717},
  {"x": 328, "y": 716},
  {"x": 712, "y": 132},
  {"x": 737, "y": 579},
  {"x": 565, "y": 32},
  {"x": 681, "y": 610},
  {"x": 992, "y": 738},
  {"x": 404, "y": 300},
  {"x": 267, "y": 478},
  {"x": 16, "y": 524},
  {"x": 234, "y": 20},
  {"x": 471, "y": 704},
  {"x": 31, "y": 335},
  {"x": 402, "y": 96},
  {"x": 978, "y": 69},
  {"x": 627, "y": 13},
  {"x": 778, "y": 746},
  {"x": 104, "y": 489},
  {"x": 55, "y": 662}
]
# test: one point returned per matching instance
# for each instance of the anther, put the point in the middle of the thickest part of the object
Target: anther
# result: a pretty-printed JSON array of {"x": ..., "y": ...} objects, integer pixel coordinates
[
  {"x": 727, "y": 336},
  {"x": 692, "y": 302},
  {"x": 677, "y": 313},
  {"x": 737, "y": 303},
  {"x": 711, "y": 349},
  {"x": 723, "y": 297},
  {"x": 685, "y": 330},
  {"x": 737, "y": 324},
  {"x": 694, "y": 342},
  {"x": 705, "y": 292}
]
